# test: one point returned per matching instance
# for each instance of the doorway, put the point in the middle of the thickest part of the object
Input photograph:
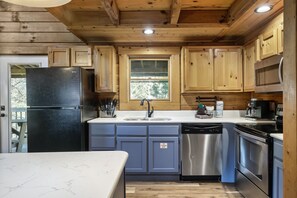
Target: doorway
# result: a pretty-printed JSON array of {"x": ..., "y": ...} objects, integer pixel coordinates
[{"x": 13, "y": 120}]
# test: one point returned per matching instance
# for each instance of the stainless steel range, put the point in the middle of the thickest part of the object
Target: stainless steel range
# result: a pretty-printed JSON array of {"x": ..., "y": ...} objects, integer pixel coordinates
[{"x": 255, "y": 159}]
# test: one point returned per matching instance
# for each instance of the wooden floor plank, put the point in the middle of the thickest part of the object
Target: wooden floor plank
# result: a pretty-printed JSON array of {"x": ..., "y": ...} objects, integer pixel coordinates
[{"x": 180, "y": 190}]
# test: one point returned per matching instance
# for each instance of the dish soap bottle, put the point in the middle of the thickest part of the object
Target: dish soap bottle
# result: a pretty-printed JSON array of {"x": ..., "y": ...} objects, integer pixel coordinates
[{"x": 219, "y": 109}]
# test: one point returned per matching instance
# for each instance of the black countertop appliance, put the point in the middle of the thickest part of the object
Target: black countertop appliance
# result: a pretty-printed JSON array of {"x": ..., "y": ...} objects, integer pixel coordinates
[
  {"x": 60, "y": 101},
  {"x": 260, "y": 109}
]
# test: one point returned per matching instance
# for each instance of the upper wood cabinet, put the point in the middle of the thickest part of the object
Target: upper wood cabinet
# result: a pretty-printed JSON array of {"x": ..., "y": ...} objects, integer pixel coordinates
[
  {"x": 280, "y": 38},
  {"x": 228, "y": 69},
  {"x": 197, "y": 68},
  {"x": 80, "y": 56},
  {"x": 208, "y": 69},
  {"x": 249, "y": 59},
  {"x": 58, "y": 57},
  {"x": 268, "y": 43},
  {"x": 105, "y": 68}
]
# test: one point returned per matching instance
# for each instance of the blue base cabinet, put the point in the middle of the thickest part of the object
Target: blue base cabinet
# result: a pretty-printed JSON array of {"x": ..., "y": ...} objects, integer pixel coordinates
[
  {"x": 102, "y": 137},
  {"x": 163, "y": 155},
  {"x": 133, "y": 140},
  {"x": 278, "y": 169},
  {"x": 136, "y": 147}
]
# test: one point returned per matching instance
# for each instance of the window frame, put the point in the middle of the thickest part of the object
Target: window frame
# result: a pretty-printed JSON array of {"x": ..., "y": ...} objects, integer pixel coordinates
[{"x": 170, "y": 53}]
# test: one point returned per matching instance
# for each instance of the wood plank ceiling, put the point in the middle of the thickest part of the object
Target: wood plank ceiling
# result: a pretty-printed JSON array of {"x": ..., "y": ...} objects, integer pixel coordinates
[{"x": 174, "y": 21}]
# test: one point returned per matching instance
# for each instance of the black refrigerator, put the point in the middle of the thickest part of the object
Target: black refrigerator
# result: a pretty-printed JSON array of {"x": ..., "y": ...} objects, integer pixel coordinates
[{"x": 59, "y": 103}]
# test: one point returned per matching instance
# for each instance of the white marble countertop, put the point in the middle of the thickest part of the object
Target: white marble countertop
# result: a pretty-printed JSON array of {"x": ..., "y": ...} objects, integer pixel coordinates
[
  {"x": 278, "y": 136},
  {"x": 61, "y": 174},
  {"x": 231, "y": 116}
]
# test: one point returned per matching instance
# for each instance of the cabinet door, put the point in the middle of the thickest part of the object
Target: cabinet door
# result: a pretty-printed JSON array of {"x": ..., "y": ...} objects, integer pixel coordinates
[
  {"x": 81, "y": 56},
  {"x": 58, "y": 57},
  {"x": 277, "y": 178},
  {"x": 197, "y": 69},
  {"x": 268, "y": 43},
  {"x": 163, "y": 155},
  {"x": 105, "y": 69},
  {"x": 101, "y": 137},
  {"x": 280, "y": 38},
  {"x": 228, "y": 70},
  {"x": 136, "y": 147},
  {"x": 249, "y": 59}
]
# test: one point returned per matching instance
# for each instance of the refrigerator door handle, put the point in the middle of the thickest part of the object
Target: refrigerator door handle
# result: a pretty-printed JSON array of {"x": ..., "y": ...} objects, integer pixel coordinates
[{"x": 45, "y": 107}]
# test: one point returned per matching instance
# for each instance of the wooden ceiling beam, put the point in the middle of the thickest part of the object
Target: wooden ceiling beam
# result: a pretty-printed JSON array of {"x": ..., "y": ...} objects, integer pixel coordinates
[
  {"x": 86, "y": 27},
  {"x": 175, "y": 11},
  {"x": 112, "y": 10}
]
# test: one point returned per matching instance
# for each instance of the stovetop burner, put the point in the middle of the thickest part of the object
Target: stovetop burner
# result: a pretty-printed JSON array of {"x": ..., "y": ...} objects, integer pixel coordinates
[{"x": 261, "y": 129}]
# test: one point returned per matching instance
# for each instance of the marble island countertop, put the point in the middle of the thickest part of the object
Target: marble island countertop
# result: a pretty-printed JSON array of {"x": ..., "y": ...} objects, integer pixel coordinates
[
  {"x": 61, "y": 175},
  {"x": 229, "y": 116}
]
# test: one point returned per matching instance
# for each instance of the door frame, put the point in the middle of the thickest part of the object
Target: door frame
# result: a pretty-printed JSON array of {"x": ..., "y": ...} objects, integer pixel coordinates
[{"x": 5, "y": 63}]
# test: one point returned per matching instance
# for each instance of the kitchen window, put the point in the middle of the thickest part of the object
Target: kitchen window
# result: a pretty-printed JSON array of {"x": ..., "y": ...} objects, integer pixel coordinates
[
  {"x": 149, "y": 79},
  {"x": 152, "y": 73}
]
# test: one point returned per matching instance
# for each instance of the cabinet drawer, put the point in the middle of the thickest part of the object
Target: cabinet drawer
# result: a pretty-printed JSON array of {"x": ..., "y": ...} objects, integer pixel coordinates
[
  {"x": 164, "y": 130},
  {"x": 131, "y": 130},
  {"x": 278, "y": 149},
  {"x": 102, "y": 129},
  {"x": 102, "y": 142}
]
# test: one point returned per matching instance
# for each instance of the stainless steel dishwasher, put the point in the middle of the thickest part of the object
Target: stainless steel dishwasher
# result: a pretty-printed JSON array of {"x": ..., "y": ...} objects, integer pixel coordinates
[{"x": 201, "y": 151}]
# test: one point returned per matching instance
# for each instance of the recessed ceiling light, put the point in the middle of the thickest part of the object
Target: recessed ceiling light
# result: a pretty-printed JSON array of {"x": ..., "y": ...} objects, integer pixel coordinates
[
  {"x": 148, "y": 31},
  {"x": 264, "y": 8}
]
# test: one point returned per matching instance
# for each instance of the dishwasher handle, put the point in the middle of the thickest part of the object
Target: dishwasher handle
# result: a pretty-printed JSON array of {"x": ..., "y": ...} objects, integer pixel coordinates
[{"x": 217, "y": 129}]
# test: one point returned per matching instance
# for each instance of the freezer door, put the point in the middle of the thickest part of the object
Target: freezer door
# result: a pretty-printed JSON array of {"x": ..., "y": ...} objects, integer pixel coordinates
[
  {"x": 53, "y": 87},
  {"x": 52, "y": 130}
]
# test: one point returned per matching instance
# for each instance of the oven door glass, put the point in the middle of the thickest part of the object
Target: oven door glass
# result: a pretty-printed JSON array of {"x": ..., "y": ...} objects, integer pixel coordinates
[{"x": 252, "y": 159}]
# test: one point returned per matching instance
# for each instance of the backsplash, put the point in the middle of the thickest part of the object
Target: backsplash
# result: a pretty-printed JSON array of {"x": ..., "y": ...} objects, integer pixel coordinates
[{"x": 232, "y": 101}]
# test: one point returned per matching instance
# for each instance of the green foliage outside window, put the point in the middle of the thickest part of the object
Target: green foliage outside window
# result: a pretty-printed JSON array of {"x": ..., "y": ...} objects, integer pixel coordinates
[{"x": 149, "y": 79}]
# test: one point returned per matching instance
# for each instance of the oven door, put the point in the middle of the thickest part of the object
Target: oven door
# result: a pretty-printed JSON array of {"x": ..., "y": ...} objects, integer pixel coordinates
[{"x": 252, "y": 159}]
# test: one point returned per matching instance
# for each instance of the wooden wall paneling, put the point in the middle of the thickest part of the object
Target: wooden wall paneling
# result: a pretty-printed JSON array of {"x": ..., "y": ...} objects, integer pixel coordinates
[
  {"x": 31, "y": 48},
  {"x": 32, "y": 27},
  {"x": 27, "y": 16},
  {"x": 25, "y": 30},
  {"x": 290, "y": 102},
  {"x": 232, "y": 101},
  {"x": 277, "y": 97},
  {"x": 38, "y": 38}
]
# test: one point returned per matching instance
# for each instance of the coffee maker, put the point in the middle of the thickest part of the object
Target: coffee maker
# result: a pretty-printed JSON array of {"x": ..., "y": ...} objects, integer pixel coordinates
[{"x": 260, "y": 109}]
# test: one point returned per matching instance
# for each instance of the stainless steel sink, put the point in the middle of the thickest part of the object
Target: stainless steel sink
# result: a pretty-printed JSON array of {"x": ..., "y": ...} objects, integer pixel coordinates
[
  {"x": 160, "y": 119},
  {"x": 132, "y": 119},
  {"x": 147, "y": 119}
]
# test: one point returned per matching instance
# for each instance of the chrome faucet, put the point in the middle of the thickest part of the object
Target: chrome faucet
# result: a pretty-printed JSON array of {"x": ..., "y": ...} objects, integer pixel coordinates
[{"x": 149, "y": 111}]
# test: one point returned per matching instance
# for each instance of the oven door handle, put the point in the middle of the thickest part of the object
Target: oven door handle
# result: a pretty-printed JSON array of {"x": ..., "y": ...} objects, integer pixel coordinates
[{"x": 254, "y": 137}]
